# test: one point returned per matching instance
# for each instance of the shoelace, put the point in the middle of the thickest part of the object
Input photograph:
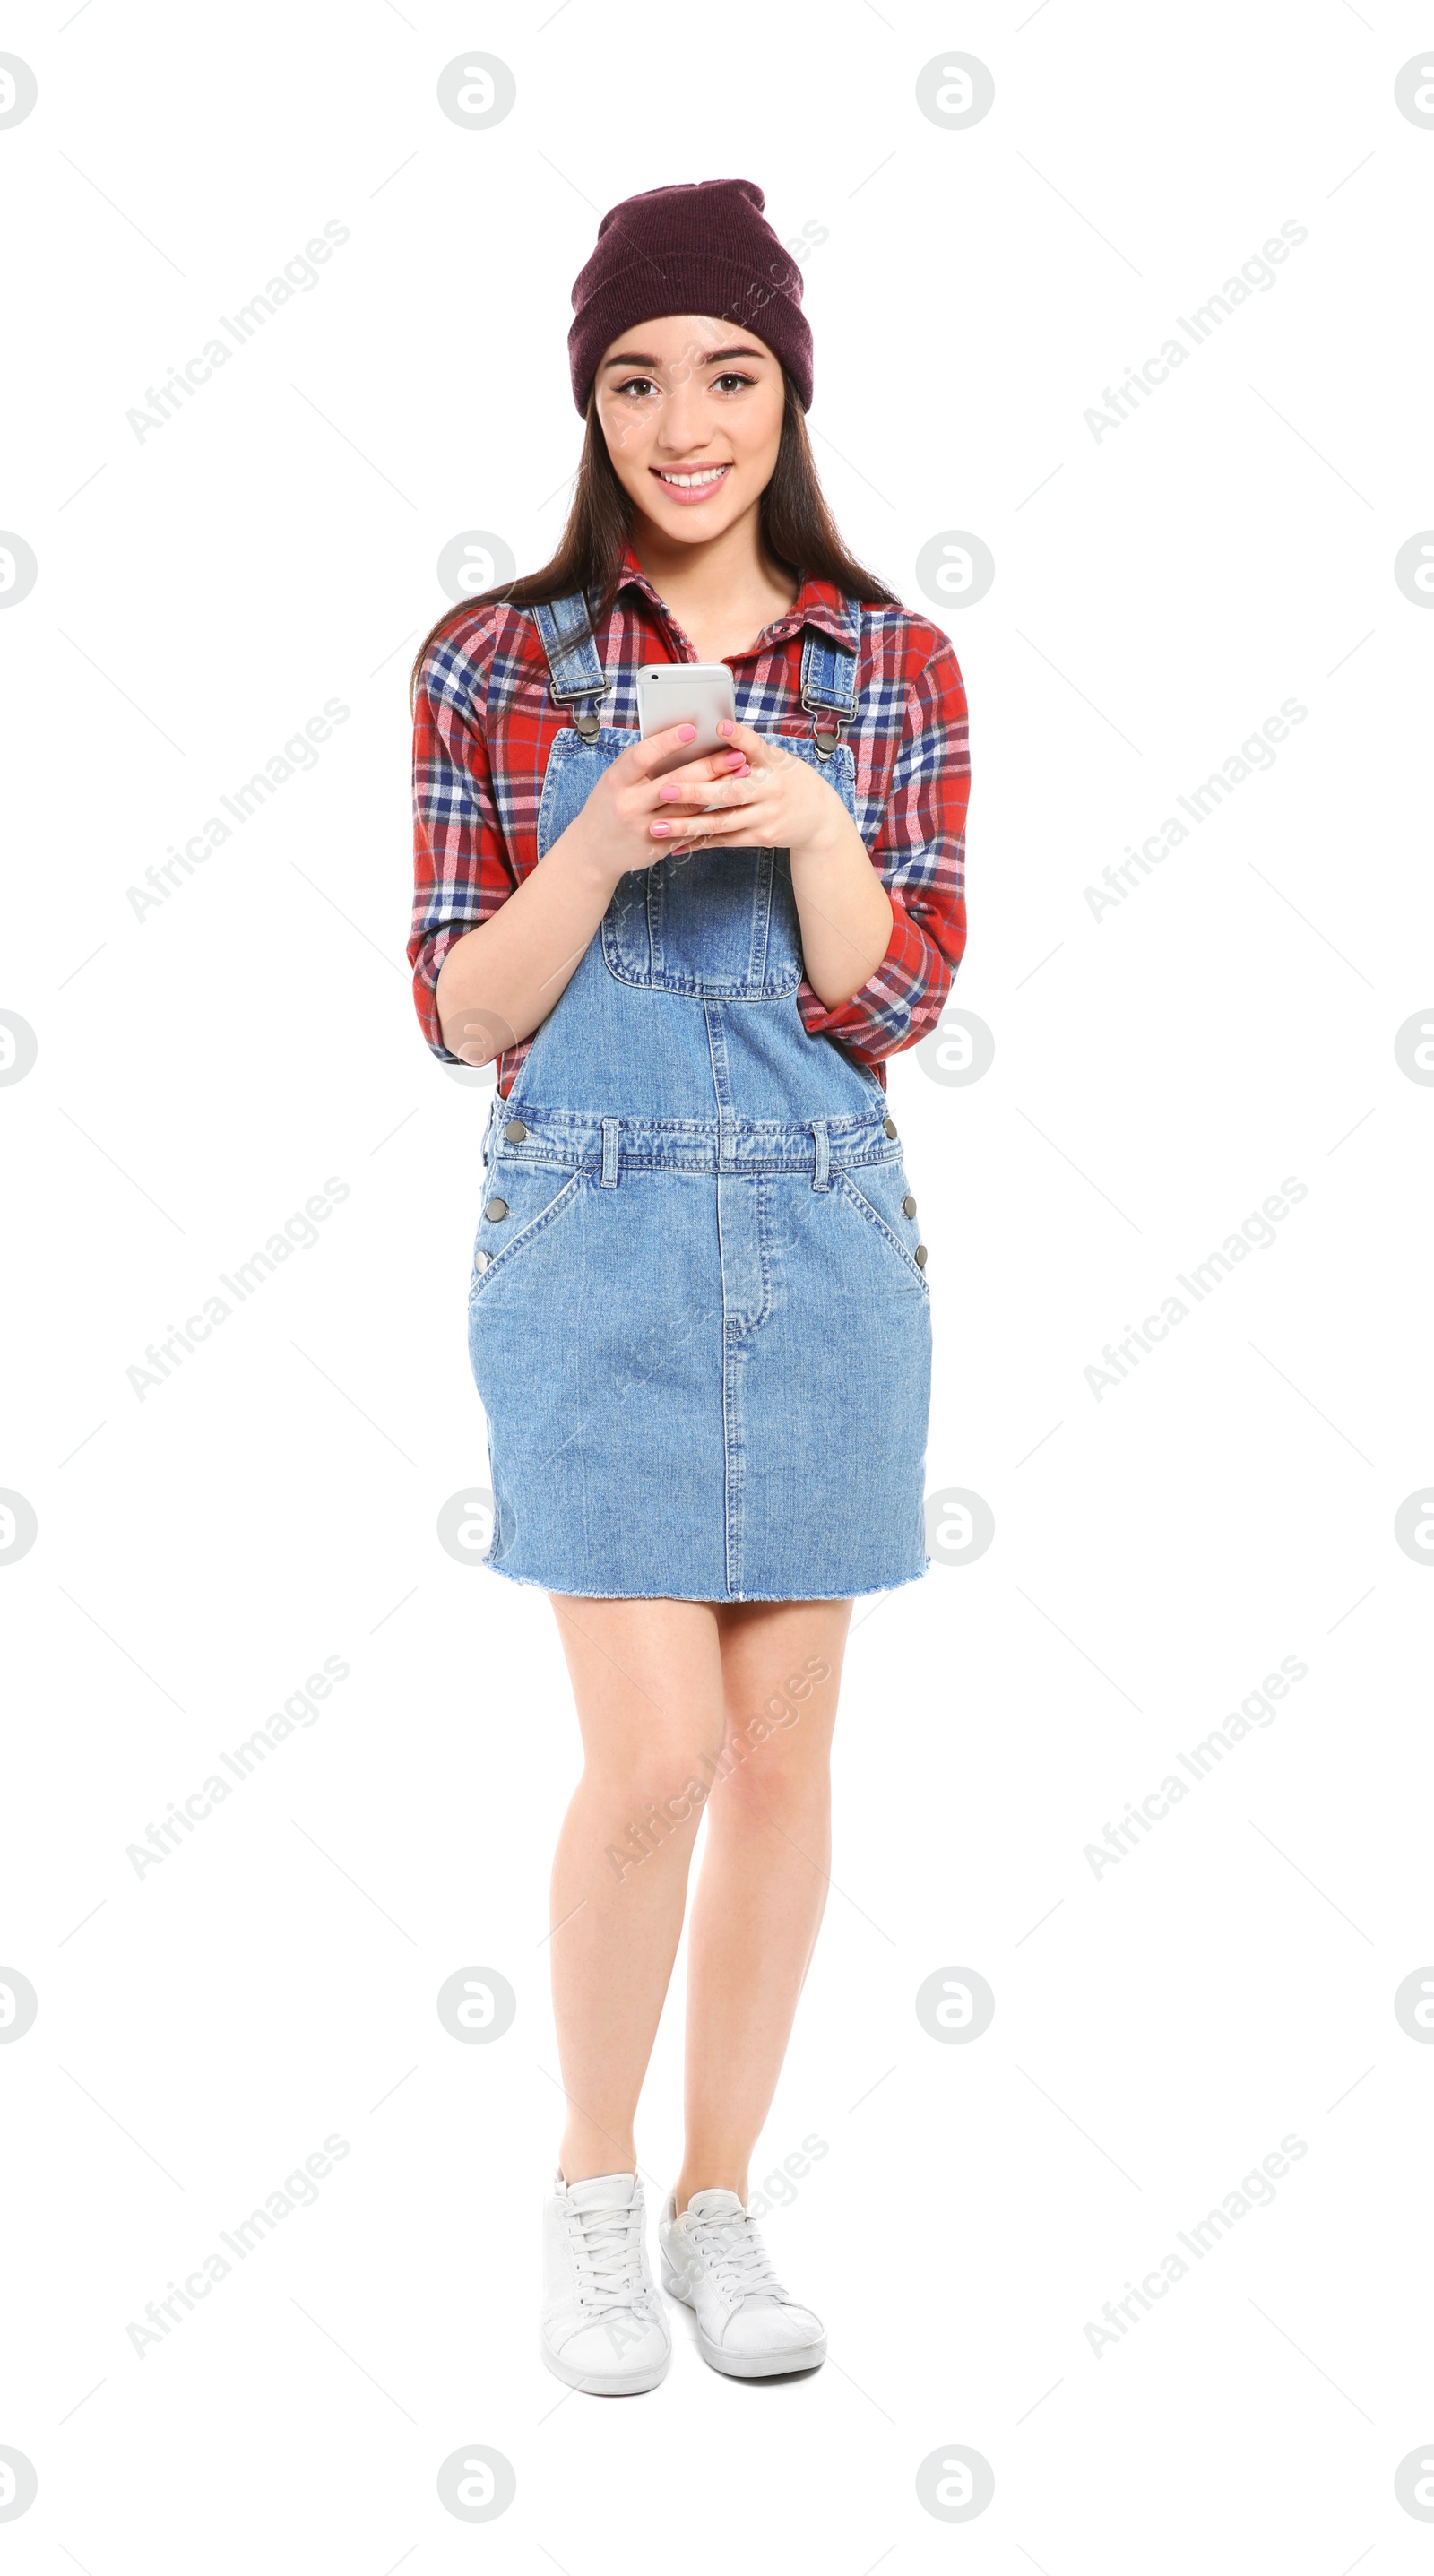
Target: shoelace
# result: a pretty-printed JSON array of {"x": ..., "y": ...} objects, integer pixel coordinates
[
  {"x": 608, "y": 2246},
  {"x": 737, "y": 2257}
]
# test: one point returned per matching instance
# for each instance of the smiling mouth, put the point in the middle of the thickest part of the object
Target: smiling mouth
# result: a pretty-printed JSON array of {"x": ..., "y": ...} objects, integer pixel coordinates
[{"x": 702, "y": 478}]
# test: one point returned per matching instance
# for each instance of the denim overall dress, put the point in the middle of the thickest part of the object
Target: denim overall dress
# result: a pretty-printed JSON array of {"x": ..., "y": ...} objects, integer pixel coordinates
[{"x": 697, "y": 1325}]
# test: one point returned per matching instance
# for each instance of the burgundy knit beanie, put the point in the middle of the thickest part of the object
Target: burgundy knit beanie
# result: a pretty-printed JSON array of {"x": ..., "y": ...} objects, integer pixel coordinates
[{"x": 701, "y": 247}]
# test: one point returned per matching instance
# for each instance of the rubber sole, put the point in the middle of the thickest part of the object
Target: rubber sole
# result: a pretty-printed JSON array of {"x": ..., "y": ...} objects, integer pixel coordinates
[
  {"x": 742, "y": 2365},
  {"x": 620, "y": 2383},
  {"x": 767, "y": 2365}
]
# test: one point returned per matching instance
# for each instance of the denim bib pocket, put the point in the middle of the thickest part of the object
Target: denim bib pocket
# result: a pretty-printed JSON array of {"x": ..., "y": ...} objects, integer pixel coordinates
[{"x": 719, "y": 925}]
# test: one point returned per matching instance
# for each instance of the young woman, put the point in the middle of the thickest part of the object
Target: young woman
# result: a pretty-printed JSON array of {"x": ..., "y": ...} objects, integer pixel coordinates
[{"x": 699, "y": 1315}]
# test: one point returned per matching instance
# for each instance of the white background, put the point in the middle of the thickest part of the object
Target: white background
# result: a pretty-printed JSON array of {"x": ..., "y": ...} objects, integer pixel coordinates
[{"x": 1158, "y": 1072}]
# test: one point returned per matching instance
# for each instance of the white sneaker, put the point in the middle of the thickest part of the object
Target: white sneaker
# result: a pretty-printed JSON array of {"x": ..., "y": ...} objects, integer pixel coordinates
[
  {"x": 604, "y": 2329},
  {"x": 714, "y": 2261}
]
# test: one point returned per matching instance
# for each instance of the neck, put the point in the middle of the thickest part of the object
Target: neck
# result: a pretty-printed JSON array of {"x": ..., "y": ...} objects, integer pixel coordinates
[{"x": 725, "y": 582}]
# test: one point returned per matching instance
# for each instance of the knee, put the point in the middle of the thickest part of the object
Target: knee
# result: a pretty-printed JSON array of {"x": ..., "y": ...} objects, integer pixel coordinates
[
  {"x": 775, "y": 1782},
  {"x": 642, "y": 1813},
  {"x": 667, "y": 1773}
]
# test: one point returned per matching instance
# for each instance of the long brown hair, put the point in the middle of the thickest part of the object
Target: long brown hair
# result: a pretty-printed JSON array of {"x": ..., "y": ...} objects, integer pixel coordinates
[{"x": 797, "y": 528}]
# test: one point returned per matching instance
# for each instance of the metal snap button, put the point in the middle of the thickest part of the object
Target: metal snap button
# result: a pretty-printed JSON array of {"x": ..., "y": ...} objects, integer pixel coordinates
[
  {"x": 496, "y": 1210},
  {"x": 908, "y": 1205},
  {"x": 888, "y": 1126},
  {"x": 919, "y": 1256},
  {"x": 514, "y": 1132},
  {"x": 481, "y": 1260}
]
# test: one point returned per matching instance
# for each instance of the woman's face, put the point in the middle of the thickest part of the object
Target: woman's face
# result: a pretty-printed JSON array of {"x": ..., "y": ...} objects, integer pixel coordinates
[{"x": 691, "y": 409}]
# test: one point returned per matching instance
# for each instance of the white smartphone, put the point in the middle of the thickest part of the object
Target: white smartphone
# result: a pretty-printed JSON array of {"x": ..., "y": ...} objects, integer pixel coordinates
[{"x": 699, "y": 693}]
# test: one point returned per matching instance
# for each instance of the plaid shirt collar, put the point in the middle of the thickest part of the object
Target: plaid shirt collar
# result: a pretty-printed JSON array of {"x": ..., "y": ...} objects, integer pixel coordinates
[{"x": 817, "y": 603}]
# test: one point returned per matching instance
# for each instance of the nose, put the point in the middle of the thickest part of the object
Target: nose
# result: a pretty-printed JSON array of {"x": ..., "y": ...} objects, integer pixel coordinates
[{"x": 686, "y": 425}]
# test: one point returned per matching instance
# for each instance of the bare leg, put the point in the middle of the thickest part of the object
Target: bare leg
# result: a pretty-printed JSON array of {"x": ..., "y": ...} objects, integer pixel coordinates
[
  {"x": 647, "y": 1679},
  {"x": 763, "y": 1882}
]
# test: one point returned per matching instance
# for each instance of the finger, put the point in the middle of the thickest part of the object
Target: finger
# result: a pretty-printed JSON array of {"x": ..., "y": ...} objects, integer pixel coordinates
[
  {"x": 718, "y": 826},
  {"x": 736, "y": 789},
  {"x": 744, "y": 737},
  {"x": 712, "y": 764},
  {"x": 696, "y": 777},
  {"x": 640, "y": 756}
]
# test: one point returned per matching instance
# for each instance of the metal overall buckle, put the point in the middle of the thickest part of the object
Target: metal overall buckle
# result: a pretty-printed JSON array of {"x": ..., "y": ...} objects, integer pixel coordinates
[
  {"x": 588, "y": 723},
  {"x": 828, "y": 692},
  {"x": 826, "y": 726}
]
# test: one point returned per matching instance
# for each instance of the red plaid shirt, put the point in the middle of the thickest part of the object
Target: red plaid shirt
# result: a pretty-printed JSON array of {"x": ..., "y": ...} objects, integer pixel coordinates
[{"x": 485, "y": 723}]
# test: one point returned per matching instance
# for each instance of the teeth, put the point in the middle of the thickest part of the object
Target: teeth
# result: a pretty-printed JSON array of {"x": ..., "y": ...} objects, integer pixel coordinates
[{"x": 689, "y": 482}]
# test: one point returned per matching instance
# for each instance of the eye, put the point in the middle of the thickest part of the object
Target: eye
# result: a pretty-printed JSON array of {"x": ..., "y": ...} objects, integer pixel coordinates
[
  {"x": 721, "y": 383},
  {"x": 636, "y": 385}
]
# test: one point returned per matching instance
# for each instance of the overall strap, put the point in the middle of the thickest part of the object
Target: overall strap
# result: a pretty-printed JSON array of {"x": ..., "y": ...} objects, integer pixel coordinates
[
  {"x": 576, "y": 677},
  {"x": 828, "y": 686}
]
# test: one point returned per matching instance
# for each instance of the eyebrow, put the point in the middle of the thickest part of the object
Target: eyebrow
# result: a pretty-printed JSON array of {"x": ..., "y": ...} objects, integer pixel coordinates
[{"x": 642, "y": 358}]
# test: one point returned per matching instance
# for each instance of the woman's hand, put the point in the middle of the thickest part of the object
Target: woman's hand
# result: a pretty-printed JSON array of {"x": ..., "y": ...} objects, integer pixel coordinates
[
  {"x": 782, "y": 803},
  {"x": 774, "y": 801},
  {"x": 617, "y": 828}
]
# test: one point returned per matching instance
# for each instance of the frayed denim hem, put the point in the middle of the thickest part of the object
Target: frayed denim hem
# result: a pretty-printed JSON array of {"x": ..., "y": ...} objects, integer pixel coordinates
[{"x": 593, "y": 1592}]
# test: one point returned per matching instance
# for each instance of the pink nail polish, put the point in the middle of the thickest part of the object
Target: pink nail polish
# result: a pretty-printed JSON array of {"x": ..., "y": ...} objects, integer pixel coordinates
[
  {"x": 662, "y": 827},
  {"x": 687, "y": 733}
]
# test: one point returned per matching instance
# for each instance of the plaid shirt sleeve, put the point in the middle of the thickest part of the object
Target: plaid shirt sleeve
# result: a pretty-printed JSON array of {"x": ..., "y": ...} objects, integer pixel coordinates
[
  {"x": 921, "y": 852},
  {"x": 462, "y": 872}
]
